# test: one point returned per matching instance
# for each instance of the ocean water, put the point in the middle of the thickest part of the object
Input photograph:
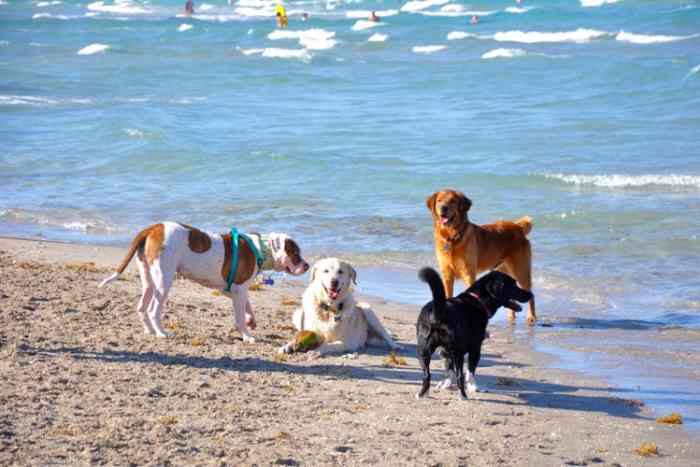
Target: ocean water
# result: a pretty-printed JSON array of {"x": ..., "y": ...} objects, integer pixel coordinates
[{"x": 584, "y": 115}]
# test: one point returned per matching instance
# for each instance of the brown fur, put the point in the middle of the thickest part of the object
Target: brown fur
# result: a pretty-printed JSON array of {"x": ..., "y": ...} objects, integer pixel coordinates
[
  {"x": 198, "y": 241},
  {"x": 464, "y": 249},
  {"x": 152, "y": 238},
  {"x": 246, "y": 260}
]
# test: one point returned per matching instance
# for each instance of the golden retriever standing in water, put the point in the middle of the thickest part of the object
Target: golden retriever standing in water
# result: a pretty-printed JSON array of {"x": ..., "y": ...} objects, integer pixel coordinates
[{"x": 464, "y": 249}]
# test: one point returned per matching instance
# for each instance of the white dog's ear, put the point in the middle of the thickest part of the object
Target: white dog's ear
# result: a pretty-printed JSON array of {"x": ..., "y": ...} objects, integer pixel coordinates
[
  {"x": 312, "y": 274},
  {"x": 353, "y": 274}
]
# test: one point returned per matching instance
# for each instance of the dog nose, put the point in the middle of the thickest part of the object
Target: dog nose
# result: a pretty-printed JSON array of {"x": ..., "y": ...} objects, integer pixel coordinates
[
  {"x": 334, "y": 283},
  {"x": 306, "y": 266}
]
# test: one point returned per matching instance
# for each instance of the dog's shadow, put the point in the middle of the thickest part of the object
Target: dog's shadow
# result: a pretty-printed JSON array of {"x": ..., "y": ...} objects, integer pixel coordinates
[{"x": 522, "y": 392}]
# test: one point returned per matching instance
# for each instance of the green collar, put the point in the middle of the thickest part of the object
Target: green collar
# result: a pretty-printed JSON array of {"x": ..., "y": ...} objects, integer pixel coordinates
[{"x": 262, "y": 258}]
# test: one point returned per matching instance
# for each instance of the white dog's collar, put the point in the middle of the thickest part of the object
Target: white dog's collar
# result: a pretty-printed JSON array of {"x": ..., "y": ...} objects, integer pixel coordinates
[{"x": 263, "y": 243}]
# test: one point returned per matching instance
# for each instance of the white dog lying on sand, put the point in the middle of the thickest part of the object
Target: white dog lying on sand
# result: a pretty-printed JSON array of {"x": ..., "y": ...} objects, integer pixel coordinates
[{"x": 331, "y": 317}]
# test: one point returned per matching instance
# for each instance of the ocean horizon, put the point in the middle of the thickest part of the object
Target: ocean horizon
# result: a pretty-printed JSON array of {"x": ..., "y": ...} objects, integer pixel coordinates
[{"x": 583, "y": 114}]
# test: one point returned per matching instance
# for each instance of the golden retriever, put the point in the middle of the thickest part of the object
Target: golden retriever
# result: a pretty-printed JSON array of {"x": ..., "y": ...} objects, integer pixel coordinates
[{"x": 464, "y": 249}]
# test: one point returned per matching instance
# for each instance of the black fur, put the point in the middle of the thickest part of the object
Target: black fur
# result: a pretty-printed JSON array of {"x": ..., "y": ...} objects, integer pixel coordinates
[{"x": 458, "y": 325}]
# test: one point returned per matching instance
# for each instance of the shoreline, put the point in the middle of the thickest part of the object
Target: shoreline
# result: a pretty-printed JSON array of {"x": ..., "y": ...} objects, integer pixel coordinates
[{"x": 90, "y": 387}]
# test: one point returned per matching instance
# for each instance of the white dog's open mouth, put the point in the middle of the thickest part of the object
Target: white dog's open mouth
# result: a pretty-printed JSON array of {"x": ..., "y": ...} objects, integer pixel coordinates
[{"x": 333, "y": 294}]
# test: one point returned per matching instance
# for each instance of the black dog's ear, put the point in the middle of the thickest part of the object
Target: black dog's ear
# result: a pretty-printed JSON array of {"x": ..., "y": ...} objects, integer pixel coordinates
[
  {"x": 465, "y": 203},
  {"x": 495, "y": 287},
  {"x": 430, "y": 202}
]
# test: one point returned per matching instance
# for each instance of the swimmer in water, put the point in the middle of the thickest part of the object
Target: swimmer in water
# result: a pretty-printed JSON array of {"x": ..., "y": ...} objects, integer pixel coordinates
[
  {"x": 189, "y": 8},
  {"x": 373, "y": 17}
]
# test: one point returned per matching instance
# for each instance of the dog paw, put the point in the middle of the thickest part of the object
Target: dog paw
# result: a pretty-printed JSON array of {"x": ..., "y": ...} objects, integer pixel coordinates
[
  {"x": 463, "y": 397},
  {"x": 531, "y": 320},
  {"x": 511, "y": 316},
  {"x": 472, "y": 388},
  {"x": 418, "y": 396},
  {"x": 286, "y": 349},
  {"x": 248, "y": 339}
]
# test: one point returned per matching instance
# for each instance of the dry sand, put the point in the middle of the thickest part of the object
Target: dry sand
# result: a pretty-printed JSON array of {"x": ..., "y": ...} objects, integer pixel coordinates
[{"x": 81, "y": 384}]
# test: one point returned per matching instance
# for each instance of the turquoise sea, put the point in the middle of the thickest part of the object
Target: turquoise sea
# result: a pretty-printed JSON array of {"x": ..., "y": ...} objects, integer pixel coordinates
[{"x": 583, "y": 114}]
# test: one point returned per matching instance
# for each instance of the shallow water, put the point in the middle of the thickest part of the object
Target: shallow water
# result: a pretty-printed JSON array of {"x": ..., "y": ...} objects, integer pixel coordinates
[{"x": 584, "y": 115}]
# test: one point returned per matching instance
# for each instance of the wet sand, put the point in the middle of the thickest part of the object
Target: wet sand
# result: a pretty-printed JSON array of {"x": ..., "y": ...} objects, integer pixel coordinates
[{"x": 82, "y": 385}]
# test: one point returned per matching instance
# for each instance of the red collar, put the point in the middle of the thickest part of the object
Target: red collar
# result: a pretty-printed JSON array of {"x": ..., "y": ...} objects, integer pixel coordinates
[{"x": 489, "y": 315}]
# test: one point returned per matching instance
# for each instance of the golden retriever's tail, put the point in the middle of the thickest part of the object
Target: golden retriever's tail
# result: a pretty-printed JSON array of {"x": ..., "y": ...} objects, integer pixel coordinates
[
  {"x": 525, "y": 223},
  {"x": 431, "y": 276}
]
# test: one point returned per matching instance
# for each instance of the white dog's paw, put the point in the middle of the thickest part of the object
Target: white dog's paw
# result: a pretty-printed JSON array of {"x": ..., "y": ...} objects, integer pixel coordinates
[
  {"x": 418, "y": 396},
  {"x": 472, "y": 388},
  {"x": 161, "y": 334},
  {"x": 248, "y": 339},
  {"x": 286, "y": 349}
]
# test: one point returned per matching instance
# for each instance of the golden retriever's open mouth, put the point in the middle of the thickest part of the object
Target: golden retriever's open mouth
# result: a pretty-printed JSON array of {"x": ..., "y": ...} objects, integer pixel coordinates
[{"x": 444, "y": 220}]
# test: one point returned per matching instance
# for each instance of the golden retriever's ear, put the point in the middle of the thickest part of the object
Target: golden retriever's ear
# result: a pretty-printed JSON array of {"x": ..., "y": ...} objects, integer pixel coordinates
[
  {"x": 430, "y": 202},
  {"x": 465, "y": 203}
]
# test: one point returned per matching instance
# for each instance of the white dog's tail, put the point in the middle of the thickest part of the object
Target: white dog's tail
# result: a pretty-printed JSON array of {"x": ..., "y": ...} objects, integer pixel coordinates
[{"x": 136, "y": 243}]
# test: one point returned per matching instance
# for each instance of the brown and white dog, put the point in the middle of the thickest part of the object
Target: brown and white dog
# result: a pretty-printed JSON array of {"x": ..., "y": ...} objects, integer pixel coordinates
[
  {"x": 330, "y": 310},
  {"x": 167, "y": 248},
  {"x": 464, "y": 249}
]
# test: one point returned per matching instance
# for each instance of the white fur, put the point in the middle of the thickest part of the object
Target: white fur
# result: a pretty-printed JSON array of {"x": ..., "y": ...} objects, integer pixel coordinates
[
  {"x": 352, "y": 325},
  {"x": 203, "y": 268}
]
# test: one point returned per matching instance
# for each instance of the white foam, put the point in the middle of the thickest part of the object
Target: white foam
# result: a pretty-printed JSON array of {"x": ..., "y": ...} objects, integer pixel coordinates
[
  {"x": 312, "y": 39},
  {"x": 4, "y": 43},
  {"x": 695, "y": 70},
  {"x": 519, "y": 10},
  {"x": 184, "y": 27},
  {"x": 33, "y": 101},
  {"x": 629, "y": 181},
  {"x": 457, "y": 10},
  {"x": 205, "y": 7},
  {"x": 119, "y": 7},
  {"x": 596, "y": 3},
  {"x": 311, "y": 34},
  {"x": 457, "y": 35},
  {"x": 650, "y": 39},
  {"x": 359, "y": 14},
  {"x": 377, "y": 37},
  {"x": 302, "y": 54},
  {"x": 364, "y": 24},
  {"x": 418, "y": 5},
  {"x": 579, "y": 35},
  {"x": 504, "y": 53},
  {"x": 313, "y": 43},
  {"x": 93, "y": 49},
  {"x": 428, "y": 49},
  {"x": 49, "y": 16}
]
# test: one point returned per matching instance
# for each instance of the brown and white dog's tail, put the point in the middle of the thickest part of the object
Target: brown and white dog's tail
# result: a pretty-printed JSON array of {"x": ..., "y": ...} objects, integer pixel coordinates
[
  {"x": 136, "y": 243},
  {"x": 525, "y": 223}
]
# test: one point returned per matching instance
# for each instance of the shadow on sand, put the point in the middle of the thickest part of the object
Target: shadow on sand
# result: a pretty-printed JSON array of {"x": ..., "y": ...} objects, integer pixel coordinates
[{"x": 521, "y": 392}]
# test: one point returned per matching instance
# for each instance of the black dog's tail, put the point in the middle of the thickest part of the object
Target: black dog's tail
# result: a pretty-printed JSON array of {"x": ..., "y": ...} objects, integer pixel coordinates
[{"x": 431, "y": 276}]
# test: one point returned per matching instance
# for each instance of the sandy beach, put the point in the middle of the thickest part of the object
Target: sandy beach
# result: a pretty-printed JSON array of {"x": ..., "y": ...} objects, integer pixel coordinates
[{"x": 83, "y": 385}]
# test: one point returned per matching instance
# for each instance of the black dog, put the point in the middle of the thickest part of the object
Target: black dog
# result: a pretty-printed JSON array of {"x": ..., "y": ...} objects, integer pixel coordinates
[{"x": 458, "y": 325}]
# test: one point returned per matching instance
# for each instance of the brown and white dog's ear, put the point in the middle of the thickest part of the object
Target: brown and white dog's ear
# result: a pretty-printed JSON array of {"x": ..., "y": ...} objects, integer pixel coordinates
[{"x": 430, "y": 202}]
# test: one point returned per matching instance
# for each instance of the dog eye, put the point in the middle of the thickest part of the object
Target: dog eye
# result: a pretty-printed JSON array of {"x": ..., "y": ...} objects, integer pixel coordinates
[{"x": 325, "y": 271}]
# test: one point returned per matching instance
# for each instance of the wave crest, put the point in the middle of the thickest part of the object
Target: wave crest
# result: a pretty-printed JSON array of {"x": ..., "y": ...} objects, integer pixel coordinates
[{"x": 673, "y": 181}]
